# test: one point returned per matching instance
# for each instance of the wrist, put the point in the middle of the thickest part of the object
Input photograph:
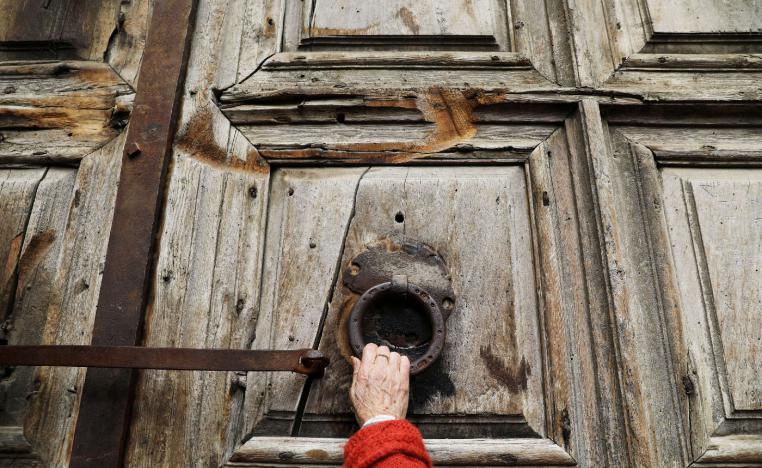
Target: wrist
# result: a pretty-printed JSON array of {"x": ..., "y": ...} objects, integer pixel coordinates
[{"x": 377, "y": 419}]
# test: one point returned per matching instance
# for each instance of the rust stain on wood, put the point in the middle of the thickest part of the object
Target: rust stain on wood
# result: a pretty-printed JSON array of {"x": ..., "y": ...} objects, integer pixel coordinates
[
  {"x": 317, "y": 31},
  {"x": 449, "y": 110},
  {"x": 8, "y": 280},
  {"x": 408, "y": 19},
  {"x": 35, "y": 252},
  {"x": 197, "y": 139},
  {"x": 317, "y": 454},
  {"x": 342, "y": 336},
  {"x": 513, "y": 377}
]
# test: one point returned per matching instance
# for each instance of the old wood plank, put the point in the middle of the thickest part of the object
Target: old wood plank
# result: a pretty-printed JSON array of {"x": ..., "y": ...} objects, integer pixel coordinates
[
  {"x": 703, "y": 143},
  {"x": 221, "y": 259},
  {"x": 59, "y": 111},
  {"x": 444, "y": 452},
  {"x": 206, "y": 292},
  {"x": 124, "y": 51},
  {"x": 307, "y": 219},
  {"x": 682, "y": 85},
  {"x": 495, "y": 315},
  {"x": 705, "y": 16},
  {"x": 17, "y": 189},
  {"x": 302, "y": 74},
  {"x": 84, "y": 28},
  {"x": 540, "y": 32},
  {"x": 453, "y": 24},
  {"x": 727, "y": 205},
  {"x": 583, "y": 391},
  {"x": 32, "y": 286},
  {"x": 49, "y": 422},
  {"x": 733, "y": 449},
  {"x": 648, "y": 379},
  {"x": 721, "y": 349},
  {"x": 596, "y": 52}
]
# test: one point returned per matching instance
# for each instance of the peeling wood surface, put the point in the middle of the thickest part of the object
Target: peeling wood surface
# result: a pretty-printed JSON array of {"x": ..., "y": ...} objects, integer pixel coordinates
[
  {"x": 58, "y": 112},
  {"x": 444, "y": 452},
  {"x": 418, "y": 125}
]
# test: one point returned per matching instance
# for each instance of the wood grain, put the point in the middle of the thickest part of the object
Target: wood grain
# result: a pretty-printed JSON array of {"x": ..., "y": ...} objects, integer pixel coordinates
[
  {"x": 31, "y": 287},
  {"x": 444, "y": 452},
  {"x": 494, "y": 323},
  {"x": 58, "y": 112},
  {"x": 49, "y": 424}
]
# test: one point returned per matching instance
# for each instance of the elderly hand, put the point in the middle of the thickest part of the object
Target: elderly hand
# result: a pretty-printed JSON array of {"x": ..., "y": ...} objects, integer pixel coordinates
[{"x": 380, "y": 384}]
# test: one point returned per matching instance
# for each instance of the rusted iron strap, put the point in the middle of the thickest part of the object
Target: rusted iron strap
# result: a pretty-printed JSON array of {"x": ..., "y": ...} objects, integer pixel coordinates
[
  {"x": 104, "y": 411},
  {"x": 302, "y": 361}
]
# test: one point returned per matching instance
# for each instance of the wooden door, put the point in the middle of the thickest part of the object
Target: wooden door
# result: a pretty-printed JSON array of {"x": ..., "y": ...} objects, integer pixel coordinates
[{"x": 590, "y": 172}]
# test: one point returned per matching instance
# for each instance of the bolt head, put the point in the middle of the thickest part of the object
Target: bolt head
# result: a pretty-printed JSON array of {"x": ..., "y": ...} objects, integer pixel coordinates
[{"x": 133, "y": 150}]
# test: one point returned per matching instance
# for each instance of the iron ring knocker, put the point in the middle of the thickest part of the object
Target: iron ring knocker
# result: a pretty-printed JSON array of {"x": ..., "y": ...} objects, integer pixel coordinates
[{"x": 425, "y": 303}]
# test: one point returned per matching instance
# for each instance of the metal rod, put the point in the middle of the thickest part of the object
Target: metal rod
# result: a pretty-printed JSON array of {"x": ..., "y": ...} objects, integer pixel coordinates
[
  {"x": 302, "y": 361},
  {"x": 104, "y": 416}
]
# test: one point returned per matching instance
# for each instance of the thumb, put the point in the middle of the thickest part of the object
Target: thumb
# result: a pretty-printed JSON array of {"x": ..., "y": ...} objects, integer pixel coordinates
[{"x": 355, "y": 366}]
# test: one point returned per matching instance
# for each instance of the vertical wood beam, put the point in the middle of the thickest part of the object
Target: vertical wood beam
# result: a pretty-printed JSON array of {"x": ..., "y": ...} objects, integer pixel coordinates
[{"x": 104, "y": 411}]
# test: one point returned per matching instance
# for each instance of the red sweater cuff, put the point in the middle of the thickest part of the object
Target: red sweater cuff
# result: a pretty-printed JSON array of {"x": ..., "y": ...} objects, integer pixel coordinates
[{"x": 387, "y": 444}]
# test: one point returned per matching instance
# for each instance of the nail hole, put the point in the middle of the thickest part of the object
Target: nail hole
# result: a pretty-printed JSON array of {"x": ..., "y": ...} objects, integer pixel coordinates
[
  {"x": 447, "y": 303},
  {"x": 545, "y": 199},
  {"x": 270, "y": 21},
  {"x": 253, "y": 191},
  {"x": 399, "y": 217},
  {"x": 354, "y": 269},
  {"x": 290, "y": 191}
]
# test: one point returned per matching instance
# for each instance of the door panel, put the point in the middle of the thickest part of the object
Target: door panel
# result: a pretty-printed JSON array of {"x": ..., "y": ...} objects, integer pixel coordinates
[
  {"x": 306, "y": 222},
  {"x": 519, "y": 351},
  {"x": 686, "y": 47},
  {"x": 705, "y": 16},
  {"x": 715, "y": 224},
  {"x": 694, "y": 234},
  {"x": 488, "y": 379},
  {"x": 448, "y": 24}
]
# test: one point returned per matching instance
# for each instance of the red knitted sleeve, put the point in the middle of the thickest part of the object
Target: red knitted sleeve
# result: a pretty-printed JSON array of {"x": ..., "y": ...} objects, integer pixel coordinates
[{"x": 390, "y": 444}]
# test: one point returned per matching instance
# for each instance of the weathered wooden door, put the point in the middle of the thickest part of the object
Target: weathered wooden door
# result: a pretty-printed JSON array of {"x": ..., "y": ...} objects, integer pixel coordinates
[{"x": 590, "y": 172}]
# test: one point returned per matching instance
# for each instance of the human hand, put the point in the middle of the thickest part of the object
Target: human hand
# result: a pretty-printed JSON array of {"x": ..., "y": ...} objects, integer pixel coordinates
[{"x": 380, "y": 383}]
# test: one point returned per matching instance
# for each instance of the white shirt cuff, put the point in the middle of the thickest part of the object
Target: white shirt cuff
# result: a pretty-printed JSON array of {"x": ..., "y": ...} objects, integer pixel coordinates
[{"x": 377, "y": 419}]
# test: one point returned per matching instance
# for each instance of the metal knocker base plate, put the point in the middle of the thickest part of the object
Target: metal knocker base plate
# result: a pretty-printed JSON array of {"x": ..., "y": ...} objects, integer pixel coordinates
[{"x": 405, "y": 299}]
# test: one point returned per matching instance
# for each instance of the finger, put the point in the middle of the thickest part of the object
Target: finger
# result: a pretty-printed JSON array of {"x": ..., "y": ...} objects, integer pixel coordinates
[
  {"x": 355, "y": 368},
  {"x": 379, "y": 373},
  {"x": 395, "y": 377},
  {"x": 383, "y": 351},
  {"x": 405, "y": 374},
  {"x": 368, "y": 356},
  {"x": 394, "y": 364}
]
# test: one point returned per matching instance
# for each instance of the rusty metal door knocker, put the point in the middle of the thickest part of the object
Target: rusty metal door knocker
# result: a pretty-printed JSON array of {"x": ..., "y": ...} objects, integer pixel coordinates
[{"x": 405, "y": 300}]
